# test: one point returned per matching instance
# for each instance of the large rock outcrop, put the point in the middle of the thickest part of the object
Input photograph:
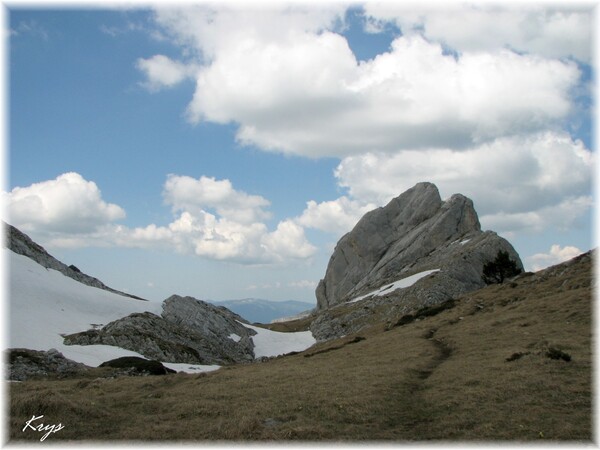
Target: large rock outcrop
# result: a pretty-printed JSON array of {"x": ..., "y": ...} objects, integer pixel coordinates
[
  {"x": 21, "y": 244},
  {"x": 188, "y": 331},
  {"x": 413, "y": 234}
]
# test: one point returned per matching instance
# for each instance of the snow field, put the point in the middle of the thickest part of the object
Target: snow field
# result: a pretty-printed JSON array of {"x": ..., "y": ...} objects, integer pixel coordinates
[{"x": 44, "y": 305}]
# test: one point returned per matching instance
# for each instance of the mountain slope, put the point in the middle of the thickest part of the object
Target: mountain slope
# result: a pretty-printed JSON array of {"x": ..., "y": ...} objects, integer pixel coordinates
[
  {"x": 47, "y": 305},
  {"x": 490, "y": 367},
  {"x": 44, "y": 304},
  {"x": 22, "y": 244}
]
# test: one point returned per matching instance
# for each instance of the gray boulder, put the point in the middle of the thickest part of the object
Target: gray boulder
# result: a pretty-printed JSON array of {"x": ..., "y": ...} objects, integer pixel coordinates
[
  {"x": 413, "y": 233},
  {"x": 188, "y": 331}
]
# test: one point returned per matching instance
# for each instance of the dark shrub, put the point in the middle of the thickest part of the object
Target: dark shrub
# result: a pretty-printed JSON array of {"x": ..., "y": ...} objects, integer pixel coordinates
[
  {"x": 554, "y": 353},
  {"x": 139, "y": 364},
  {"x": 499, "y": 269},
  {"x": 516, "y": 356}
]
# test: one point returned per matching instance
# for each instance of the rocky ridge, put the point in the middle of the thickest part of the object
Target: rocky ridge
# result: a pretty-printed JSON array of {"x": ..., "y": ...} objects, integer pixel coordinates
[
  {"x": 20, "y": 243},
  {"x": 414, "y": 233},
  {"x": 187, "y": 331}
]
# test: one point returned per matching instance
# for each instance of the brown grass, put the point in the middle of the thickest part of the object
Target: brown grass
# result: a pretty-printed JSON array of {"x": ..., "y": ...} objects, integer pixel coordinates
[{"x": 444, "y": 377}]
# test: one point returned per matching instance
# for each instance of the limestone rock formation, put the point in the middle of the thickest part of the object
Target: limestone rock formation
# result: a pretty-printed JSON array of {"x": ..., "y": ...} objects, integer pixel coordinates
[
  {"x": 188, "y": 331},
  {"x": 20, "y": 243},
  {"x": 415, "y": 233}
]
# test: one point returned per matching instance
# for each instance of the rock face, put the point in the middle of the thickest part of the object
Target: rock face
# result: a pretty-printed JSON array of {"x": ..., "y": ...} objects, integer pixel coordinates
[
  {"x": 20, "y": 243},
  {"x": 413, "y": 233},
  {"x": 188, "y": 331}
]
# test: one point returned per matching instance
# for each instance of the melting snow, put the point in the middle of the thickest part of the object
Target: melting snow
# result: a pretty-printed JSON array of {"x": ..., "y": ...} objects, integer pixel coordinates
[
  {"x": 190, "y": 368},
  {"x": 400, "y": 284},
  {"x": 234, "y": 337},
  {"x": 273, "y": 343},
  {"x": 45, "y": 304},
  {"x": 301, "y": 315}
]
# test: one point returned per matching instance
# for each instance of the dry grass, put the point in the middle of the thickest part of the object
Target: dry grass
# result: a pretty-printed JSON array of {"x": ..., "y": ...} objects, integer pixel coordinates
[{"x": 444, "y": 377}]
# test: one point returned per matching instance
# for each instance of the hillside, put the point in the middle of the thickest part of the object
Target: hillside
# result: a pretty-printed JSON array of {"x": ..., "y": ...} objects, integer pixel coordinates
[{"x": 506, "y": 362}]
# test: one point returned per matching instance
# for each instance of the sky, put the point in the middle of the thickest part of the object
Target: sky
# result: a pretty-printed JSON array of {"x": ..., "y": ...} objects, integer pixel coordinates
[{"x": 220, "y": 150}]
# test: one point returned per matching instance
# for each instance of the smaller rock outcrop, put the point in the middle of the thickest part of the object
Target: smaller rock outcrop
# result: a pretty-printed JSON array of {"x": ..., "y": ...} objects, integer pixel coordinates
[
  {"x": 188, "y": 331},
  {"x": 24, "y": 364}
]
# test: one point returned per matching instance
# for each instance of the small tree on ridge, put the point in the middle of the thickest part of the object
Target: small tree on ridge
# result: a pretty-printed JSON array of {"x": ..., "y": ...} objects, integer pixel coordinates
[{"x": 499, "y": 269}]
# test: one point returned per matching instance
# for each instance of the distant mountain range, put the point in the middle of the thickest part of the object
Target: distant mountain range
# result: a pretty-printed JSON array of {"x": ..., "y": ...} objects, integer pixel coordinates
[{"x": 264, "y": 311}]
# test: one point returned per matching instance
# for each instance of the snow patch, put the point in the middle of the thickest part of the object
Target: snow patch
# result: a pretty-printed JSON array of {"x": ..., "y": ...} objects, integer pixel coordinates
[
  {"x": 400, "y": 284},
  {"x": 273, "y": 343},
  {"x": 298, "y": 316},
  {"x": 45, "y": 305},
  {"x": 234, "y": 337},
  {"x": 190, "y": 368}
]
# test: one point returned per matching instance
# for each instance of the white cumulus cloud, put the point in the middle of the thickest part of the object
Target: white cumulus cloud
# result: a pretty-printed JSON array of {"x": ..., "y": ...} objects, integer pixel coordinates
[
  {"x": 411, "y": 97},
  {"x": 162, "y": 72},
  {"x": 556, "y": 255},
  {"x": 185, "y": 193},
  {"x": 297, "y": 88},
  {"x": 560, "y": 216},
  {"x": 531, "y": 182},
  {"x": 475, "y": 98},
  {"x": 209, "y": 30},
  {"x": 288, "y": 241},
  {"x": 556, "y": 32},
  {"x": 233, "y": 234},
  {"x": 69, "y": 212},
  {"x": 336, "y": 216},
  {"x": 69, "y": 203}
]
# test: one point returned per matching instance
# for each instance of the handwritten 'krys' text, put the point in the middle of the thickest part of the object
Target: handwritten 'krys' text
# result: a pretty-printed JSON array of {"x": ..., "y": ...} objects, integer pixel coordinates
[{"x": 41, "y": 427}]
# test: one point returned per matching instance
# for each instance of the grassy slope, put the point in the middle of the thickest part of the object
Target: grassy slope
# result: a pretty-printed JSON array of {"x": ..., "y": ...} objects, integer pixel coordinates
[{"x": 443, "y": 378}]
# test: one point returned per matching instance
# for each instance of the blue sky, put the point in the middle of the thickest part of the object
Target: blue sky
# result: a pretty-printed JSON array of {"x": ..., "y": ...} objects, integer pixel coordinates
[{"x": 221, "y": 151}]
